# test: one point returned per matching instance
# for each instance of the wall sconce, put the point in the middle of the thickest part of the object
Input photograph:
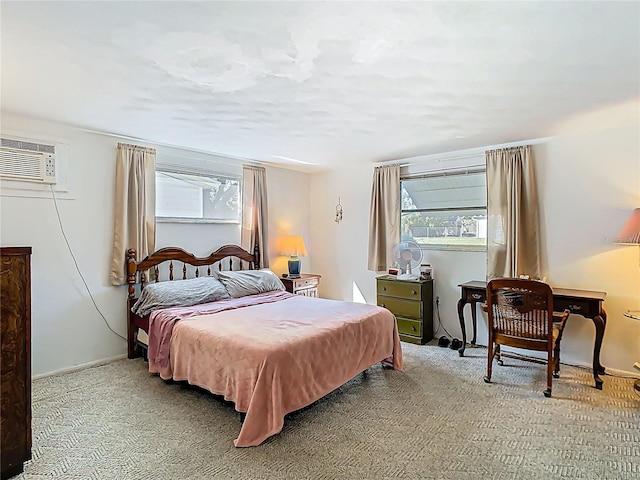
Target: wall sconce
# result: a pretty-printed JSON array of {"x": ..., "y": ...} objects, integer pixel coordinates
[{"x": 338, "y": 212}]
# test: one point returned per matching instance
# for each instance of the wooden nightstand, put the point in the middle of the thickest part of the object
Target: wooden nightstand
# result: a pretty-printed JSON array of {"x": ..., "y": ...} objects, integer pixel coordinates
[{"x": 306, "y": 285}]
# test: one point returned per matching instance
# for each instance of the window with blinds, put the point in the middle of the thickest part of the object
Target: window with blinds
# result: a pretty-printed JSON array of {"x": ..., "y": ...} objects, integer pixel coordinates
[
  {"x": 197, "y": 197},
  {"x": 445, "y": 210}
]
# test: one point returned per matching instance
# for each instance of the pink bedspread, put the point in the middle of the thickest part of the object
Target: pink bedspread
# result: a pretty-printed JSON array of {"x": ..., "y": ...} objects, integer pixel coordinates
[
  {"x": 273, "y": 358},
  {"x": 161, "y": 322}
]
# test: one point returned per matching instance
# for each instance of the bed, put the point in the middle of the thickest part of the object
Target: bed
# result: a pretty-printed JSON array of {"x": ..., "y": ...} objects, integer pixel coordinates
[{"x": 266, "y": 350}]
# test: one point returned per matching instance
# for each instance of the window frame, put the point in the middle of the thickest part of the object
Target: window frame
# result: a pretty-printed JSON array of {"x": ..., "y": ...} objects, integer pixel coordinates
[
  {"x": 208, "y": 174},
  {"x": 444, "y": 173}
]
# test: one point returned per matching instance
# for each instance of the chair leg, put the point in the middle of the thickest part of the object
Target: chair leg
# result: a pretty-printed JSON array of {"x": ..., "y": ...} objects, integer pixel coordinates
[
  {"x": 550, "y": 367},
  {"x": 490, "y": 353},
  {"x": 497, "y": 355},
  {"x": 556, "y": 361}
]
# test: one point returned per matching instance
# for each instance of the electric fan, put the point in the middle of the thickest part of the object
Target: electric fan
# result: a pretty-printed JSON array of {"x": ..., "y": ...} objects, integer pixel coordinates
[{"x": 407, "y": 255}]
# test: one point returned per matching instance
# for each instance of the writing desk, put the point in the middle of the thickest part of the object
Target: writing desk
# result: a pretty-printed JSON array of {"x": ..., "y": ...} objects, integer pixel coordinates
[{"x": 582, "y": 302}]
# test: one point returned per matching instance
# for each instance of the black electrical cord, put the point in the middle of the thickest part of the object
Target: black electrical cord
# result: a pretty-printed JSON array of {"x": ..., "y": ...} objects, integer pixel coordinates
[{"x": 435, "y": 334}]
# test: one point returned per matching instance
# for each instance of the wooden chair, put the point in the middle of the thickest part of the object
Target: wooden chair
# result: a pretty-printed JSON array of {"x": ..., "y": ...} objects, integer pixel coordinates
[{"x": 521, "y": 315}]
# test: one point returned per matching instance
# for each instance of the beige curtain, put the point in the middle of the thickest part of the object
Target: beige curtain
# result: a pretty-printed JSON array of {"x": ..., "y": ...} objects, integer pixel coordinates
[
  {"x": 384, "y": 224},
  {"x": 255, "y": 212},
  {"x": 135, "y": 207},
  {"x": 513, "y": 246}
]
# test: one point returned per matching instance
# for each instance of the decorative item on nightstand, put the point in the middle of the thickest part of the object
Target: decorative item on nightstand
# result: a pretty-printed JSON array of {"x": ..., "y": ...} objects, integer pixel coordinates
[{"x": 293, "y": 246}]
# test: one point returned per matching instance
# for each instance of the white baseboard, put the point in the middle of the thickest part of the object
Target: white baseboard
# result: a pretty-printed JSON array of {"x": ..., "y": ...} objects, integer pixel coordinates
[
  {"x": 609, "y": 371},
  {"x": 82, "y": 366},
  {"x": 621, "y": 373}
]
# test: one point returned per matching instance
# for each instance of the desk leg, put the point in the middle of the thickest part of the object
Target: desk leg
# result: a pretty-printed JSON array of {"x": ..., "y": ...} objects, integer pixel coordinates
[
  {"x": 603, "y": 314},
  {"x": 475, "y": 322},
  {"x": 461, "y": 303},
  {"x": 599, "y": 323}
]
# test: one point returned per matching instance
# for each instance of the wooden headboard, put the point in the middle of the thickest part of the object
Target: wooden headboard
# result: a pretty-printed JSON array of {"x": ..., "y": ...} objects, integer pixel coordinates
[{"x": 228, "y": 257}]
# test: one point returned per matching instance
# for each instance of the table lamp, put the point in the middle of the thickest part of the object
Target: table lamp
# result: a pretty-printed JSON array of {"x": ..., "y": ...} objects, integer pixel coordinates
[
  {"x": 630, "y": 235},
  {"x": 293, "y": 246}
]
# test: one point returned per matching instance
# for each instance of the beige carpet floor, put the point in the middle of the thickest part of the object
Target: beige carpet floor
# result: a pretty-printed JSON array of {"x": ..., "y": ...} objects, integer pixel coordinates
[{"x": 435, "y": 420}]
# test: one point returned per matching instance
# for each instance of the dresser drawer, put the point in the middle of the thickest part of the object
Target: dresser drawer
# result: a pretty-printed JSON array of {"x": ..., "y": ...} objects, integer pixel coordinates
[
  {"x": 475, "y": 295},
  {"x": 399, "y": 289},
  {"x": 409, "y": 327},
  {"x": 307, "y": 292},
  {"x": 306, "y": 282},
  {"x": 401, "y": 307}
]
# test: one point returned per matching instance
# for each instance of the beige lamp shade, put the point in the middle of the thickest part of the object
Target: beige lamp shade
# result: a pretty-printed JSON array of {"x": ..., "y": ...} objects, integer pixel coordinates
[
  {"x": 630, "y": 233},
  {"x": 293, "y": 246}
]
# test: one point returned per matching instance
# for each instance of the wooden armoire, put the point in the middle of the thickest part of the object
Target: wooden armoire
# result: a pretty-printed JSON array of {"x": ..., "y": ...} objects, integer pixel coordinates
[{"x": 15, "y": 363}]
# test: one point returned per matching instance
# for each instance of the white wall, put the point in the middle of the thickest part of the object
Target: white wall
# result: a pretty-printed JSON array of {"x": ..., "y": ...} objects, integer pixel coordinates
[
  {"x": 66, "y": 329},
  {"x": 339, "y": 249},
  {"x": 588, "y": 181}
]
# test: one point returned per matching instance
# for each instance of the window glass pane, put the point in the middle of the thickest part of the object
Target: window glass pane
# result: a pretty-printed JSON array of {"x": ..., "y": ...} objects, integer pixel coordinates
[
  {"x": 445, "y": 211},
  {"x": 450, "y": 228},
  {"x": 197, "y": 197},
  {"x": 176, "y": 197}
]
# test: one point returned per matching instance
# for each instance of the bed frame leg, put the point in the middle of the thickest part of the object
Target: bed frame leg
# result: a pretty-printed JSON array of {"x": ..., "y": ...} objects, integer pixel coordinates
[{"x": 131, "y": 343}]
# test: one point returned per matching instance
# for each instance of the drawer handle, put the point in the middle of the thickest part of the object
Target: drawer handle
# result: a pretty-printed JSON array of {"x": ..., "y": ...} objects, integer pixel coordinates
[
  {"x": 575, "y": 308},
  {"x": 476, "y": 296},
  {"x": 413, "y": 292},
  {"x": 384, "y": 289},
  {"x": 413, "y": 328},
  {"x": 382, "y": 305}
]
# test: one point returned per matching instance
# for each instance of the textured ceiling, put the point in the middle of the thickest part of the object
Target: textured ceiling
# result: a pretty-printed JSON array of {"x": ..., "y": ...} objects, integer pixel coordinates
[{"x": 321, "y": 83}]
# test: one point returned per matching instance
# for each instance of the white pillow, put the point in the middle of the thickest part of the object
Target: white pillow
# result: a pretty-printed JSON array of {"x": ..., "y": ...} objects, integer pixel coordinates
[{"x": 249, "y": 282}]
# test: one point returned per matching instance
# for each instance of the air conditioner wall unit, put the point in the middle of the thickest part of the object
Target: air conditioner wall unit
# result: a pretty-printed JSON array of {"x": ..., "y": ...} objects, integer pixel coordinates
[{"x": 27, "y": 161}]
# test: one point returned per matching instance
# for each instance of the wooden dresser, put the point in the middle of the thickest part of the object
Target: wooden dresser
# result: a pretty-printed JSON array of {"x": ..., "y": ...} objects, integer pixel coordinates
[
  {"x": 306, "y": 285},
  {"x": 412, "y": 304},
  {"x": 15, "y": 337}
]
